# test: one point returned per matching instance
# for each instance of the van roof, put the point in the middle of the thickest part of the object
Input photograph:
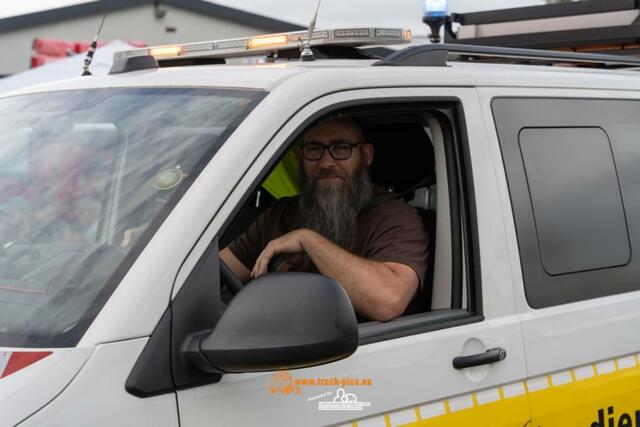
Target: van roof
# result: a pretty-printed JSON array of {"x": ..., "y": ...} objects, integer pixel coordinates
[{"x": 338, "y": 74}]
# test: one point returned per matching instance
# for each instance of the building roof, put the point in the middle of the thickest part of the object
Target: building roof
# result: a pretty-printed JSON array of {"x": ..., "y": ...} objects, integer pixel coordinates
[
  {"x": 98, "y": 7},
  {"x": 545, "y": 11},
  {"x": 594, "y": 25}
]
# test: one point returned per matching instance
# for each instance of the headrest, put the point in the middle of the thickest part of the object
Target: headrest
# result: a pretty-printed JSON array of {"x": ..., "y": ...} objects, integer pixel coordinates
[{"x": 403, "y": 154}]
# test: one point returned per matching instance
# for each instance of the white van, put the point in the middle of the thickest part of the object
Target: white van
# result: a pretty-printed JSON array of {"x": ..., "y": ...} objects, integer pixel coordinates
[{"x": 118, "y": 192}]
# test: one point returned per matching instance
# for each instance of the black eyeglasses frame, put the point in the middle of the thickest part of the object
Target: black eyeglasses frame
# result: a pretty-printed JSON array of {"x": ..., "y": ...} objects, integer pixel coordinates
[{"x": 329, "y": 149}]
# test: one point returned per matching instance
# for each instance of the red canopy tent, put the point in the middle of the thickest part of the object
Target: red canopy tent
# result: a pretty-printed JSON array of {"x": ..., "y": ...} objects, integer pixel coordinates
[{"x": 47, "y": 50}]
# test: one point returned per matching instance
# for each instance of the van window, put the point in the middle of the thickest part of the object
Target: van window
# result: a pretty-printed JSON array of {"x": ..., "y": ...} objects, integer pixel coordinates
[
  {"x": 86, "y": 177},
  {"x": 415, "y": 164},
  {"x": 566, "y": 168},
  {"x": 573, "y": 169}
]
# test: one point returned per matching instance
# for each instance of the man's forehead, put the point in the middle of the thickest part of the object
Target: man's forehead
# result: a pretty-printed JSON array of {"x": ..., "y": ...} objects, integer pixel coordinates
[{"x": 339, "y": 129}]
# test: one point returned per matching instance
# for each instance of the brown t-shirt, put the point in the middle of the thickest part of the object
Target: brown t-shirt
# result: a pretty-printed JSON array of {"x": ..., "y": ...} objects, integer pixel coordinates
[{"x": 389, "y": 231}]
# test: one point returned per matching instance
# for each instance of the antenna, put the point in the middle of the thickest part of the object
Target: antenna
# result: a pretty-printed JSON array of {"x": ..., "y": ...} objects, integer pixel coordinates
[
  {"x": 307, "y": 53},
  {"x": 94, "y": 44}
]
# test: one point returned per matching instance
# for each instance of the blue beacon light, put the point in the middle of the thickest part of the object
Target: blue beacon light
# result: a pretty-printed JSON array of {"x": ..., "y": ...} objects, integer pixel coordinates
[{"x": 435, "y": 13}]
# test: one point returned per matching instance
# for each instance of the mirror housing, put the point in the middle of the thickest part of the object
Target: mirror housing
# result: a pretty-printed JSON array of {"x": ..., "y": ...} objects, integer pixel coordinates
[{"x": 281, "y": 321}]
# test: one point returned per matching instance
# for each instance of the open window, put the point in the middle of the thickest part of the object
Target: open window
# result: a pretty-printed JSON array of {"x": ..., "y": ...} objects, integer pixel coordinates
[
  {"x": 420, "y": 155},
  {"x": 418, "y": 159}
]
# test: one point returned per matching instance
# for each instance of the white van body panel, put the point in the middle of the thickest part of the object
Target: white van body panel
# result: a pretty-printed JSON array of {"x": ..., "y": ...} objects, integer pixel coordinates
[
  {"x": 563, "y": 336},
  {"x": 26, "y": 391},
  {"x": 97, "y": 396},
  {"x": 405, "y": 372}
]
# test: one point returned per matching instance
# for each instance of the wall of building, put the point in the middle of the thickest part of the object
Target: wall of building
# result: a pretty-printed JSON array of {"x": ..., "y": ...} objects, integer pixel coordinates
[{"x": 137, "y": 23}]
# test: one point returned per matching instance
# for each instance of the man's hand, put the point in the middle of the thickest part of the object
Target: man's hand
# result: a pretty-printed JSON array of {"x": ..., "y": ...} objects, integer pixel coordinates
[
  {"x": 128, "y": 237},
  {"x": 290, "y": 243},
  {"x": 131, "y": 235}
]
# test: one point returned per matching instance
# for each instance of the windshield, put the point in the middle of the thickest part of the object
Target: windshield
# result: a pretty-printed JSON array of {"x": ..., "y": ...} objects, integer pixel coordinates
[{"x": 86, "y": 177}]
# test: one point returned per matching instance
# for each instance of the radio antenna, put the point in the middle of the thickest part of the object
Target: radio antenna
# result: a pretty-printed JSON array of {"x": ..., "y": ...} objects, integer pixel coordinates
[
  {"x": 94, "y": 44},
  {"x": 307, "y": 53}
]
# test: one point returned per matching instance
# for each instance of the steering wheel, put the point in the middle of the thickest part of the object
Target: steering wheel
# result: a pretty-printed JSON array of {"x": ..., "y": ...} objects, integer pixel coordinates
[
  {"x": 229, "y": 279},
  {"x": 275, "y": 263}
]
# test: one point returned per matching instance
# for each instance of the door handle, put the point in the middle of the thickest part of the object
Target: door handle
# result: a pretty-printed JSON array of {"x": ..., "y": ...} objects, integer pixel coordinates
[{"x": 490, "y": 356}]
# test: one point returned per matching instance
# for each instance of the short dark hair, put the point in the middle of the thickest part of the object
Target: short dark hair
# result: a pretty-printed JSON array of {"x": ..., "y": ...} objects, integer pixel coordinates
[{"x": 354, "y": 121}]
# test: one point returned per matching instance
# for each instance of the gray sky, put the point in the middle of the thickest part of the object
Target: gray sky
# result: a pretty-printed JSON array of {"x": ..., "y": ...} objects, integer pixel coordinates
[{"x": 394, "y": 13}]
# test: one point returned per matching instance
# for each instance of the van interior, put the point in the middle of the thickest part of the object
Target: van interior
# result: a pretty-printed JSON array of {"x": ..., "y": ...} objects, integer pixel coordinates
[{"x": 410, "y": 161}]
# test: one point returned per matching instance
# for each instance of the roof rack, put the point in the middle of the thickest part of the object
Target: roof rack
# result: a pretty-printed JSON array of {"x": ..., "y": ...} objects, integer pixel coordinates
[{"x": 436, "y": 55}]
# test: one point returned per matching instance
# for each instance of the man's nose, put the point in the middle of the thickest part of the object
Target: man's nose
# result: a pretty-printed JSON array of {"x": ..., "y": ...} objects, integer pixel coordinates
[{"x": 326, "y": 158}]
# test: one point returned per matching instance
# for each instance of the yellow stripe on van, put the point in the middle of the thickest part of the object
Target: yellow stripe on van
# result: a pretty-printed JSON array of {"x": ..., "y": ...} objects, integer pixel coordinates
[
  {"x": 608, "y": 394},
  {"x": 599, "y": 395}
]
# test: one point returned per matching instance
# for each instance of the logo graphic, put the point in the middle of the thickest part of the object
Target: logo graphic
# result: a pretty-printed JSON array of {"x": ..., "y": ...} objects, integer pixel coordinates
[
  {"x": 282, "y": 382},
  {"x": 343, "y": 401}
]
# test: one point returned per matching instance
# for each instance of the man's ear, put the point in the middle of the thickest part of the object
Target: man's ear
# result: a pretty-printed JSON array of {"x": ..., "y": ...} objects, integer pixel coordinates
[
  {"x": 298, "y": 147},
  {"x": 367, "y": 153}
]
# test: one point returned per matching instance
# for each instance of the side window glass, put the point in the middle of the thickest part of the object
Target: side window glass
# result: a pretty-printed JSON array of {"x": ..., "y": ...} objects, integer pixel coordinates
[
  {"x": 571, "y": 167},
  {"x": 576, "y": 199}
]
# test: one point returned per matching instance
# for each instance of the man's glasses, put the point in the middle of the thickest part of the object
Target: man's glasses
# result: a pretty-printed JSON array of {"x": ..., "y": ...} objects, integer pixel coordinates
[{"x": 338, "y": 151}]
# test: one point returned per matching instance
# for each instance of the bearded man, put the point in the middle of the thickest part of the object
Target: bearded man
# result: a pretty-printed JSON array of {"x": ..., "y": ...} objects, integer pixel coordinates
[{"x": 341, "y": 226}]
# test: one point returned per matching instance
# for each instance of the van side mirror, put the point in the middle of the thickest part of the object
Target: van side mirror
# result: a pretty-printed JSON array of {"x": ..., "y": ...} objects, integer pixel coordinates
[{"x": 279, "y": 321}]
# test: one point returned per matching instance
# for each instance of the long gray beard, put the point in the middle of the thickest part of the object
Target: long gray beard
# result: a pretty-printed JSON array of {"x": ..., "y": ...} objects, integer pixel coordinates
[{"x": 332, "y": 210}]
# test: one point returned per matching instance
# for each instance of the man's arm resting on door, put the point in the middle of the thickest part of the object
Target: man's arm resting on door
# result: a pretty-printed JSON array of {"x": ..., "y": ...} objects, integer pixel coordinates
[{"x": 378, "y": 290}]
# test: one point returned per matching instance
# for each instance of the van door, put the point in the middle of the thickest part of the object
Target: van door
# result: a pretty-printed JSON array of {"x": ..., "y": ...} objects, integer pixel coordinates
[
  {"x": 403, "y": 370},
  {"x": 571, "y": 162}
]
